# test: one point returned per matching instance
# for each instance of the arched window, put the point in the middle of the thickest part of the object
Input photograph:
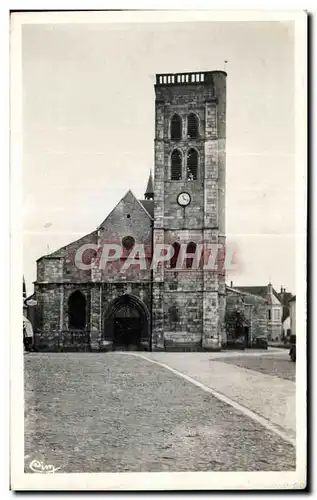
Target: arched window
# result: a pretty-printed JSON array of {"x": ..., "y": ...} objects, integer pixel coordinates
[
  {"x": 192, "y": 126},
  {"x": 174, "y": 258},
  {"x": 192, "y": 164},
  {"x": 176, "y": 127},
  {"x": 176, "y": 165},
  {"x": 191, "y": 249},
  {"x": 77, "y": 311}
]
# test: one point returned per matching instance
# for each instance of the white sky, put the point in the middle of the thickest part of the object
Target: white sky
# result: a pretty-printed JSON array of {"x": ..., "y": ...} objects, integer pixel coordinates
[{"x": 88, "y": 130}]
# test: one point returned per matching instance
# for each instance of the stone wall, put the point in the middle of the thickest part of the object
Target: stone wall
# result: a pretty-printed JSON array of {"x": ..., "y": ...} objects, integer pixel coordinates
[
  {"x": 197, "y": 296},
  {"x": 253, "y": 307},
  {"x": 52, "y": 327},
  {"x": 200, "y": 295},
  {"x": 128, "y": 218}
]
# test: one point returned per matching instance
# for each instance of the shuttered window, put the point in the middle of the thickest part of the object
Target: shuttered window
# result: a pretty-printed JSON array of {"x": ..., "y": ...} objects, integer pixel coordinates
[
  {"x": 174, "y": 258},
  {"x": 192, "y": 165},
  {"x": 176, "y": 127},
  {"x": 191, "y": 249},
  {"x": 192, "y": 126},
  {"x": 176, "y": 165}
]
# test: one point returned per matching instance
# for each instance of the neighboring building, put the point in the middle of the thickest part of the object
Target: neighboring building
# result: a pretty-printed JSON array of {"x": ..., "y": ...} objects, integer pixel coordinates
[
  {"x": 286, "y": 327},
  {"x": 292, "y": 313},
  {"x": 284, "y": 298},
  {"x": 27, "y": 326},
  {"x": 274, "y": 308},
  {"x": 249, "y": 312},
  {"x": 30, "y": 304},
  {"x": 165, "y": 308},
  {"x": 24, "y": 307}
]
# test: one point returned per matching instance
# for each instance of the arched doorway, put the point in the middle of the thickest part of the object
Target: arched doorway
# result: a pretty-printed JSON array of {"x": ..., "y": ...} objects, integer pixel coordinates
[{"x": 126, "y": 324}]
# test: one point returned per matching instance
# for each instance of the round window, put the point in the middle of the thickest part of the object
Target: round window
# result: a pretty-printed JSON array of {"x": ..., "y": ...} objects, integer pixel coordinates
[{"x": 128, "y": 242}]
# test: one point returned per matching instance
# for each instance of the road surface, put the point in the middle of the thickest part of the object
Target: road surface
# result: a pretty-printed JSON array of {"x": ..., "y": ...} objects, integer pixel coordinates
[{"x": 116, "y": 412}]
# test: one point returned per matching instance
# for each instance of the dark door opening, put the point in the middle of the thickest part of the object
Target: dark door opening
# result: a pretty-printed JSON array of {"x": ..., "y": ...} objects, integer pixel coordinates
[
  {"x": 127, "y": 333},
  {"x": 126, "y": 324},
  {"x": 246, "y": 337}
]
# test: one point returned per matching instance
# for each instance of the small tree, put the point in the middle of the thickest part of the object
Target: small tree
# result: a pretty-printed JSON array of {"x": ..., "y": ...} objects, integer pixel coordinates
[{"x": 235, "y": 323}]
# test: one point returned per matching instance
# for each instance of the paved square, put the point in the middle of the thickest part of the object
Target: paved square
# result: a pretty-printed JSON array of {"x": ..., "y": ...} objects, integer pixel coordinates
[
  {"x": 116, "y": 412},
  {"x": 270, "y": 365}
]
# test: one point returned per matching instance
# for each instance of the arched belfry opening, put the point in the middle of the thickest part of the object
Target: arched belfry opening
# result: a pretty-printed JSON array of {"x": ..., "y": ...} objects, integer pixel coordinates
[
  {"x": 176, "y": 128},
  {"x": 192, "y": 126},
  {"x": 176, "y": 165},
  {"x": 127, "y": 324}
]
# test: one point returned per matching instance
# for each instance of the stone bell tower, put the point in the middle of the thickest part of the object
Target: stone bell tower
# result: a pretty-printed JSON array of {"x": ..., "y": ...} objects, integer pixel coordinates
[{"x": 188, "y": 304}]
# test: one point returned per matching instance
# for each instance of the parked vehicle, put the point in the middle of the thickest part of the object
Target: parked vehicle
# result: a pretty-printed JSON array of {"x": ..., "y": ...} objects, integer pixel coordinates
[{"x": 292, "y": 351}]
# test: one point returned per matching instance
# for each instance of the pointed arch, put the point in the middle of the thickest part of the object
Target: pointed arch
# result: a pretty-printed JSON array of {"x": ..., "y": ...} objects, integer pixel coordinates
[
  {"x": 176, "y": 127},
  {"x": 176, "y": 165},
  {"x": 130, "y": 311},
  {"x": 192, "y": 164},
  {"x": 190, "y": 249},
  {"x": 192, "y": 126},
  {"x": 174, "y": 258},
  {"x": 77, "y": 311}
]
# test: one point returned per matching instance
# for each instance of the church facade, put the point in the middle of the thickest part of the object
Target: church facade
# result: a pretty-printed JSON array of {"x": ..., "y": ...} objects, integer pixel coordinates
[{"x": 84, "y": 299}]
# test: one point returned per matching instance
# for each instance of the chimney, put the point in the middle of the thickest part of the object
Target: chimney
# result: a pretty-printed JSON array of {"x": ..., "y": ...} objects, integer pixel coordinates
[
  {"x": 231, "y": 284},
  {"x": 269, "y": 289}
]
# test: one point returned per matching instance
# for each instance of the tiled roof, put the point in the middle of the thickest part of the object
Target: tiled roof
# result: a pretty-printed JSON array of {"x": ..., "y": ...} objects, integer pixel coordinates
[
  {"x": 149, "y": 206},
  {"x": 149, "y": 189},
  {"x": 254, "y": 290},
  {"x": 284, "y": 299},
  {"x": 262, "y": 291},
  {"x": 62, "y": 251}
]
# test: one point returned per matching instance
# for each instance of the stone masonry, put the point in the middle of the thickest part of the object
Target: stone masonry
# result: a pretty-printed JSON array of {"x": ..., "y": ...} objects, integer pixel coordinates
[
  {"x": 198, "y": 295},
  {"x": 167, "y": 308}
]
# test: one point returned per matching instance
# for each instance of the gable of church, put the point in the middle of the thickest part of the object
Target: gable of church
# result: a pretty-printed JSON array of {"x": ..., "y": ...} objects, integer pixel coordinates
[
  {"x": 128, "y": 218},
  {"x": 128, "y": 225}
]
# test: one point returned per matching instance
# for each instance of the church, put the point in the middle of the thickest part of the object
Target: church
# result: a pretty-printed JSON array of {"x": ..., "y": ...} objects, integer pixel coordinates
[{"x": 162, "y": 307}]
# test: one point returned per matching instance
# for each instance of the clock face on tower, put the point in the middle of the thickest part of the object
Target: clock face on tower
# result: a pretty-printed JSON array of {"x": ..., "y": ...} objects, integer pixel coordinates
[{"x": 183, "y": 199}]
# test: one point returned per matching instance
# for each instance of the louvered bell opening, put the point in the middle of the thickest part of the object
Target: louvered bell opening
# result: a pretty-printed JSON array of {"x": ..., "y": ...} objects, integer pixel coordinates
[
  {"x": 191, "y": 250},
  {"x": 192, "y": 165},
  {"x": 192, "y": 126},
  {"x": 176, "y": 165},
  {"x": 176, "y": 128},
  {"x": 176, "y": 247}
]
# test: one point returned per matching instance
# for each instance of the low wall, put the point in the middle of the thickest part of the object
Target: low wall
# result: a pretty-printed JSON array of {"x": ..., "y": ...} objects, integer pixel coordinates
[{"x": 59, "y": 341}]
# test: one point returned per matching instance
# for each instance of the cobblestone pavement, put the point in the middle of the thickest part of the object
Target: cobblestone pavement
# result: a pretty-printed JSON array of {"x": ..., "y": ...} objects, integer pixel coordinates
[
  {"x": 269, "y": 396},
  {"x": 115, "y": 413},
  {"x": 278, "y": 366}
]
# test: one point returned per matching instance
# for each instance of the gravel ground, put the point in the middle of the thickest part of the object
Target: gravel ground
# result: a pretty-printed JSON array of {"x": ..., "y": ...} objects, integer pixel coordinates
[
  {"x": 278, "y": 366},
  {"x": 114, "y": 413}
]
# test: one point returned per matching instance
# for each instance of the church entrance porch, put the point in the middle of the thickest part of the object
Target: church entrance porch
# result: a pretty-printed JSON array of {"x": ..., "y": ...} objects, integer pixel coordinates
[{"x": 126, "y": 324}]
